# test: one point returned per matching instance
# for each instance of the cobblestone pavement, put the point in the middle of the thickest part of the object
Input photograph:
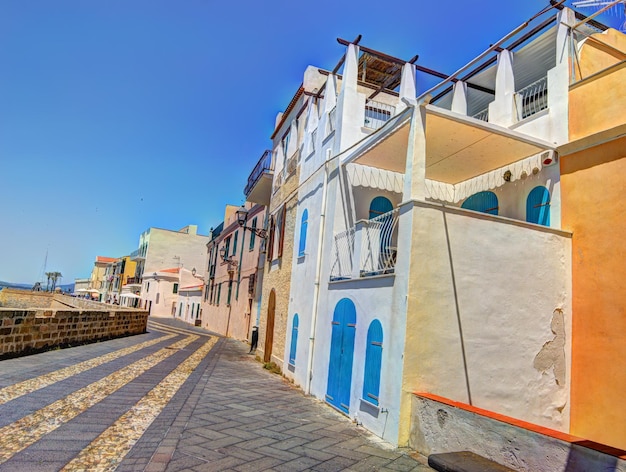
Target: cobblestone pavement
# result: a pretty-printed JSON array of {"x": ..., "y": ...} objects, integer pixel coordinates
[{"x": 175, "y": 399}]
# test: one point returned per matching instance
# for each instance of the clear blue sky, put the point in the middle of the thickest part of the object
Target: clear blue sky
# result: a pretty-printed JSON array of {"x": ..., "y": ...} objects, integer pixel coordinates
[{"x": 119, "y": 115}]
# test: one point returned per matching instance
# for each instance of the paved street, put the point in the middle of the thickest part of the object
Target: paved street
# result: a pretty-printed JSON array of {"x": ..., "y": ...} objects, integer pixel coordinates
[{"x": 176, "y": 398}]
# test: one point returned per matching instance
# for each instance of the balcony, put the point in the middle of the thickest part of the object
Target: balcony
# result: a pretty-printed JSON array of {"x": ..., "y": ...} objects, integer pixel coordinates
[
  {"x": 377, "y": 114},
  {"x": 133, "y": 281},
  {"x": 368, "y": 249},
  {"x": 259, "y": 186},
  {"x": 139, "y": 254},
  {"x": 533, "y": 98}
]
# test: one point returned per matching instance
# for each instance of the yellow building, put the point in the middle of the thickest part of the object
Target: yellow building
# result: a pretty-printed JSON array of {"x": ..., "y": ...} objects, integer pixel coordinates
[{"x": 593, "y": 166}]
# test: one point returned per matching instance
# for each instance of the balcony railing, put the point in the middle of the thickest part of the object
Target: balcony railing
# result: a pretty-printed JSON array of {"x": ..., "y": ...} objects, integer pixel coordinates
[
  {"x": 482, "y": 115},
  {"x": 533, "y": 98},
  {"x": 264, "y": 166},
  {"x": 138, "y": 254},
  {"x": 379, "y": 244},
  {"x": 344, "y": 255},
  {"x": 133, "y": 281},
  {"x": 368, "y": 249},
  {"x": 377, "y": 114}
]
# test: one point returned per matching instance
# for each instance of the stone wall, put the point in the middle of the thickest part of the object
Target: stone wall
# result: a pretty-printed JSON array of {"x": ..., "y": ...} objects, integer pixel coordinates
[
  {"x": 25, "y": 330},
  {"x": 14, "y": 298}
]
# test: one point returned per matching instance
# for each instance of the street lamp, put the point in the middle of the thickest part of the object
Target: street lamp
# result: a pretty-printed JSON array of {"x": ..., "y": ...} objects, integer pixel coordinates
[{"x": 242, "y": 218}]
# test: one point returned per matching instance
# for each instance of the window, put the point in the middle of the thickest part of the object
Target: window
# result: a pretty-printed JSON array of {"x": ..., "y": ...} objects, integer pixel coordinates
[
  {"x": 252, "y": 234},
  {"x": 294, "y": 340},
  {"x": 230, "y": 290},
  {"x": 157, "y": 298},
  {"x": 212, "y": 296},
  {"x": 180, "y": 310},
  {"x": 147, "y": 287},
  {"x": 270, "y": 247},
  {"x": 235, "y": 242},
  {"x": 303, "y": 227},
  {"x": 227, "y": 246},
  {"x": 175, "y": 289},
  {"x": 219, "y": 293},
  {"x": 538, "y": 206},
  {"x": 485, "y": 202},
  {"x": 373, "y": 362},
  {"x": 280, "y": 230}
]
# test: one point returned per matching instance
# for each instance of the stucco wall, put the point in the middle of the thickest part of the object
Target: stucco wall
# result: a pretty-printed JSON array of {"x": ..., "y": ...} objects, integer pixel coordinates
[
  {"x": 489, "y": 314},
  {"x": 593, "y": 209},
  {"x": 439, "y": 427}
]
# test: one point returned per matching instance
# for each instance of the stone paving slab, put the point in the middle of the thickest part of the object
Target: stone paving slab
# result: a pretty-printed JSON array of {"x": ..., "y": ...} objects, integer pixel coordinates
[{"x": 229, "y": 414}]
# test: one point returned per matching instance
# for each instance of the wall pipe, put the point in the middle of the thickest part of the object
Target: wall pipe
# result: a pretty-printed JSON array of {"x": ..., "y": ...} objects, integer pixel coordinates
[{"x": 318, "y": 271}]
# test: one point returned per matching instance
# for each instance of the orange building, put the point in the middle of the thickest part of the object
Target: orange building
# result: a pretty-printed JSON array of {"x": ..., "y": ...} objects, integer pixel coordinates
[{"x": 593, "y": 166}]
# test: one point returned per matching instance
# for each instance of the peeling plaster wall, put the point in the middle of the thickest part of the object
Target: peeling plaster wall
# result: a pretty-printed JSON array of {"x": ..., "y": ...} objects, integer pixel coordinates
[
  {"x": 489, "y": 314},
  {"x": 439, "y": 427}
]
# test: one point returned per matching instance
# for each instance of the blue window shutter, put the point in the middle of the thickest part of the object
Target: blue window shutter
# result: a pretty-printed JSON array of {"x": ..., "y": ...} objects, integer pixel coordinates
[
  {"x": 485, "y": 202},
  {"x": 294, "y": 340},
  {"x": 379, "y": 206},
  {"x": 235, "y": 242},
  {"x": 252, "y": 234},
  {"x": 538, "y": 206},
  {"x": 373, "y": 362},
  {"x": 303, "y": 226}
]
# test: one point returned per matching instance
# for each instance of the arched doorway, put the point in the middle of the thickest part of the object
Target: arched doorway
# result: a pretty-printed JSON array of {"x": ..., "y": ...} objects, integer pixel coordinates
[
  {"x": 485, "y": 202},
  {"x": 269, "y": 331},
  {"x": 341, "y": 355},
  {"x": 379, "y": 206},
  {"x": 538, "y": 206}
]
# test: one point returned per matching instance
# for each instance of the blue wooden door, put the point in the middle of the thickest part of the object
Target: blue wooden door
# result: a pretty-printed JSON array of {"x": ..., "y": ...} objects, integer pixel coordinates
[
  {"x": 373, "y": 362},
  {"x": 485, "y": 202},
  {"x": 379, "y": 206},
  {"x": 538, "y": 206},
  {"x": 341, "y": 355}
]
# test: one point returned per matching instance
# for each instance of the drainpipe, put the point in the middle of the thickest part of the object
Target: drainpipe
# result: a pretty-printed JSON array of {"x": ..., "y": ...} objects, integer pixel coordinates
[{"x": 318, "y": 270}]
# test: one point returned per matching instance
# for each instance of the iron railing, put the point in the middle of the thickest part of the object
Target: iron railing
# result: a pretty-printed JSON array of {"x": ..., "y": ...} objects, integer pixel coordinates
[
  {"x": 379, "y": 244},
  {"x": 264, "y": 166},
  {"x": 344, "y": 255},
  {"x": 377, "y": 114},
  {"x": 533, "y": 98},
  {"x": 482, "y": 115}
]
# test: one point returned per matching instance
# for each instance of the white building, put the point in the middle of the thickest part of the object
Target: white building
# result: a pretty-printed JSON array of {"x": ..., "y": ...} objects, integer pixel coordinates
[{"x": 427, "y": 251}]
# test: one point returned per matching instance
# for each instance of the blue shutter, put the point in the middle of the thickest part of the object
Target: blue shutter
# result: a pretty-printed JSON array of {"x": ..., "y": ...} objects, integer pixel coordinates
[
  {"x": 538, "y": 206},
  {"x": 379, "y": 206},
  {"x": 252, "y": 234},
  {"x": 303, "y": 227},
  {"x": 373, "y": 362},
  {"x": 485, "y": 202},
  {"x": 294, "y": 340},
  {"x": 235, "y": 242}
]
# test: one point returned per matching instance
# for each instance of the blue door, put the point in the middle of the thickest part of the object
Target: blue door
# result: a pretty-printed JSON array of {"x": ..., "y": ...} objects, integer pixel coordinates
[
  {"x": 379, "y": 206},
  {"x": 485, "y": 202},
  {"x": 341, "y": 355},
  {"x": 538, "y": 206}
]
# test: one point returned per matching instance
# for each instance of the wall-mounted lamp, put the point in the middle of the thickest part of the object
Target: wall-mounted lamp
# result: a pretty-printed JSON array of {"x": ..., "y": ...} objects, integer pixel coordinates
[
  {"x": 223, "y": 254},
  {"x": 193, "y": 271},
  {"x": 242, "y": 218}
]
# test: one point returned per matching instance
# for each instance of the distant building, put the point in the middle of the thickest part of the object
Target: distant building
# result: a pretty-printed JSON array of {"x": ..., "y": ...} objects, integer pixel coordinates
[
  {"x": 230, "y": 300},
  {"x": 161, "y": 249},
  {"x": 116, "y": 275},
  {"x": 97, "y": 279}
]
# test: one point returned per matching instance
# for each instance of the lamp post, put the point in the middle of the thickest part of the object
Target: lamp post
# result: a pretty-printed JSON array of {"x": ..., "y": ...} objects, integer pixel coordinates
[{"x": 242, "y": 218}]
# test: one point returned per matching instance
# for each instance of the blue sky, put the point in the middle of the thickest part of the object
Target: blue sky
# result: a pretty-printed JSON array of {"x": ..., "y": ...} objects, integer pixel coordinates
[{"x": 119, "y": 115}]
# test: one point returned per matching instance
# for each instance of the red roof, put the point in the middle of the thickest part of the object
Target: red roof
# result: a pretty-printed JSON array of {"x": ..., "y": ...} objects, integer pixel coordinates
[
  {"x": 189, "y": 287},
  {"x": 105, "y": 259},
  {"x": 174, "y": 270}
]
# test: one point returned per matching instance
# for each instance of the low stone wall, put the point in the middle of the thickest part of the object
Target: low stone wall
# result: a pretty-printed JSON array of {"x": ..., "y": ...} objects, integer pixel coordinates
[
  {"x": 15, "y": 298},
  {"x": 440, "y": 425},
  {"x": 28, "y": 330}
]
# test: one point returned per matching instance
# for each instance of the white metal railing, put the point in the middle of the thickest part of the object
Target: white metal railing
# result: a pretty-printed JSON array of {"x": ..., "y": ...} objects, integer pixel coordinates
[
  {"x": 377, "y": 114},
  {"x": 379, "y": 244},
  {"x": 368, "y": 249},
  {"x": 482, "y": 115},
  {"x": 344, "y": 255},
  {"x": 533, "y": 98}
]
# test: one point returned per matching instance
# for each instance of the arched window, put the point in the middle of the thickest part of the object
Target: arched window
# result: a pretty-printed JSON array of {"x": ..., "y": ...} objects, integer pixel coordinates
[
  {"x": 294, "y": 340},
  {"x": 373, "y": 362},
  {"x": 485, "y": 202},
  {"x": 379, "y": 206},
  {"x": 538, "y": 206},
  {"x": 303, "y": 225}
]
